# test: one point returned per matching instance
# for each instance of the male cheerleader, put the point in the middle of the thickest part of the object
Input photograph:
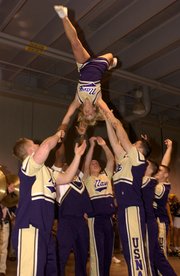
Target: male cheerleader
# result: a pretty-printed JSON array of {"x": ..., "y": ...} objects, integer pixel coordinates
[
  {"x": 156, "y": 260},
  {"x": 99, "y": 187},
  {"x": 32, "y": 237},
  {"x": 161, "y": 196},
  {"x": 127, "y": 180},
  {"x": 73, "y": 205}
]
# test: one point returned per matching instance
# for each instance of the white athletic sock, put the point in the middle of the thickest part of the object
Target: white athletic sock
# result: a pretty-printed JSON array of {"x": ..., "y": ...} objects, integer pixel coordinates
[
  {"x": 114, "y": 63},
  {"x": 61, "y": 11}
]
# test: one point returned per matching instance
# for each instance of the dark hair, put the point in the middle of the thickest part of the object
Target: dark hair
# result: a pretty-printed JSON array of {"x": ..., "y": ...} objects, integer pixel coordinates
[
  {"x": 146, "y": 147},
  {"x": 154, "y": 167}
]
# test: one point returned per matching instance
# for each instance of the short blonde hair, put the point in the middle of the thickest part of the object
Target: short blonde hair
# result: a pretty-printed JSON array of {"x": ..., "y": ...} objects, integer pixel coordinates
[{"x": 19, "y": 149}]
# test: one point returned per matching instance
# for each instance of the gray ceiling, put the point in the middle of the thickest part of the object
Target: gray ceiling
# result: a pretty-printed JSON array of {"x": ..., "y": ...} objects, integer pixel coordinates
[{"x": 36, "y": 59}]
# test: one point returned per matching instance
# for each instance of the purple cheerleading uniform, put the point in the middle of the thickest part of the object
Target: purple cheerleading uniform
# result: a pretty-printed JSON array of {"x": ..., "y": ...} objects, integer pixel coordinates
[
  {"x": 34, "y": 220},
  {"x": 161, "y": 198},
  {"x": 73, "y": 234},
  {"x": 127, "y": 181},
  {"x": 100, "y": 222},
  {"x": 93, "y": 69},
  {"x": 91, "y": 73},
  {"x": 156, "y": 260}
]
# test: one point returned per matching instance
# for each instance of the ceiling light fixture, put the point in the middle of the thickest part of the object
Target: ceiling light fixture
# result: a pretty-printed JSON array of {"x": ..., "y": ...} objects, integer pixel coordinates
[{"x": 138, "y": 107}]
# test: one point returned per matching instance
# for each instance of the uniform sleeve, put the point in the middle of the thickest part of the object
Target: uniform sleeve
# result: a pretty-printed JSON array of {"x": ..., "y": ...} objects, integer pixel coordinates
[
  {"x": 80, "y": 175},
  {"x": 86, "y": 180},
  {"x": 136, "y": 157},
  {"x": 108, "y": 173},
  {"x": 57, "y": 169},
  {"x": 145, "y": 181},
  {"x": 30, "y": 167},
  {"x": 159, "y": 190},
  {"x": 120, "y": 157}
]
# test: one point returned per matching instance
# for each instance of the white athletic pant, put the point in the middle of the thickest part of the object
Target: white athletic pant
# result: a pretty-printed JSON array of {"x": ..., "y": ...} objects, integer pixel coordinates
[
  {"x": 4, "y": 239},
  {"x": 162, "y": 236}
]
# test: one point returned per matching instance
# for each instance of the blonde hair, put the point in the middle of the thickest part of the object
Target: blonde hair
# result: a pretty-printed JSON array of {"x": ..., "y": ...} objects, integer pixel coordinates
[{"x": 98, "y": 117}]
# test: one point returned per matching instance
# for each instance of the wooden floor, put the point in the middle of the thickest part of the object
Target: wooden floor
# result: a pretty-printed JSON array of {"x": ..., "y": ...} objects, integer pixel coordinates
[{"x": 116, "y": 269}]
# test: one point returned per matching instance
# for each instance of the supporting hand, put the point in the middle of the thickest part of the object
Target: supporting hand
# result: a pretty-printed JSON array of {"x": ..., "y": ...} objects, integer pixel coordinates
[
  {"x": 79, "y": 150},
  {"x": 81, "y": 128},
  {"x": 100, "y": 141},
  {"x": 60, "y": 134},
  {"x": 92, "y": 141}
]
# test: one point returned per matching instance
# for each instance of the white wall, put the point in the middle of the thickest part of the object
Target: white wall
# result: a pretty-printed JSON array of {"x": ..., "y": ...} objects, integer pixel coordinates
[{"x": 21, "y": 118}]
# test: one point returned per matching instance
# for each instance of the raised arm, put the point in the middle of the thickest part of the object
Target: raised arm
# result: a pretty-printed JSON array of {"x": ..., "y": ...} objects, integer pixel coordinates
[
  {"x": 71, "y": 171},
  {"x": 71, "y": 109},
  {"x": 167, "y": 155},
  {"x": 169, "y": 214},
  {"x": 120, "y": 132},
  {"x": 46, "y": 146},
  {"x": 108, "y": 153},
  {"x": 102, "y": 105},
  {"x": 115, "y": 144},
  {"x": 89, "y": 156}
]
